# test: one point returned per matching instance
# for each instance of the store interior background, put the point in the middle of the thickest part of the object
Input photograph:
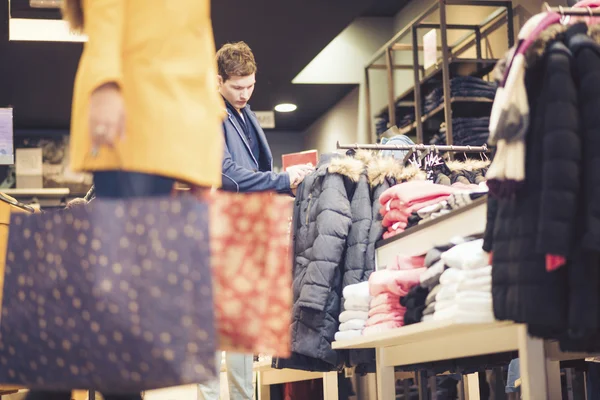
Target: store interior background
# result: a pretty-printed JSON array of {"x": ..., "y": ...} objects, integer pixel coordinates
[{"x": 313, "y": 56}]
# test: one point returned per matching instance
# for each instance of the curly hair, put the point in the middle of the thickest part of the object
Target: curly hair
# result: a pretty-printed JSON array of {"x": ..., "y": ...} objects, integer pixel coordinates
[
  {"x": 235, "y": 59},
  {"x": 72, "y": 12}
]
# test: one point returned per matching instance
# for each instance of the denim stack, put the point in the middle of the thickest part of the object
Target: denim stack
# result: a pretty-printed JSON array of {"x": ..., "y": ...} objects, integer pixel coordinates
[
  {"x": 466, "y": 132},
  {"x": 462, "y": 86}
]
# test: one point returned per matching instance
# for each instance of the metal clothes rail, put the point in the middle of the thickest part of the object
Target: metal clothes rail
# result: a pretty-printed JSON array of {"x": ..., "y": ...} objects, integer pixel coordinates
[{"x": 416, "y": 147}]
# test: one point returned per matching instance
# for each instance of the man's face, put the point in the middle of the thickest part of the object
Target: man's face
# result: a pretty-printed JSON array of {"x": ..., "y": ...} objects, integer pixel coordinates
[{"x": 237, "y": 90}]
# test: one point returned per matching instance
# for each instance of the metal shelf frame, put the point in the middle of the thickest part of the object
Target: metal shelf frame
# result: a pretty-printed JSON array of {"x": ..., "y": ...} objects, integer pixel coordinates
[{"x": 502, "y": 16}]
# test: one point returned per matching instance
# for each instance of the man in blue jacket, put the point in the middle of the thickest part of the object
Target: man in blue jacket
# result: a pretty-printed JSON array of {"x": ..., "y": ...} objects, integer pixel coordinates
[
  {"x": 247, "y": 167},
  {"x": 247, "y": 162}
]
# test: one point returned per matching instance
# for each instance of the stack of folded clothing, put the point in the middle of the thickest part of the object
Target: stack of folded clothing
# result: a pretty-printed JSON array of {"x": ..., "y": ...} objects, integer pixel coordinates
[
  {"x": 465, "y": 132},
  {"x": 454, "y": 202},
  {"x": 465, "y": 293},
  {"x": 461, "y": 86},
  {"x": 400, "y": 201},
  {"x": 387, "y": 287},
  {"x": 356, "y": 311},
  {"x": 430, "y": 279}
]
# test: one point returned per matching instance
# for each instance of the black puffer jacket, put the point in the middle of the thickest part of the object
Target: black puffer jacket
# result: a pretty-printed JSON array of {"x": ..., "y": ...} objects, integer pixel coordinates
[
  {"x": 542, "y": 214},
  {"x": 322, "y": 221}
]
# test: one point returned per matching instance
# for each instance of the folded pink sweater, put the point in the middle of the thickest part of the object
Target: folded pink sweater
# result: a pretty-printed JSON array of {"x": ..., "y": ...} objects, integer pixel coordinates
[
  {"x": 384, "y": 318},
  {"x": 415, "y": 191},
  {"x": 395, "y": 309},
  {"x": 384, "y": 298},
  {"x": 392, "y": 232},
  {"x": 397, "y": 282},
  {"x": 386, "y": 326}
]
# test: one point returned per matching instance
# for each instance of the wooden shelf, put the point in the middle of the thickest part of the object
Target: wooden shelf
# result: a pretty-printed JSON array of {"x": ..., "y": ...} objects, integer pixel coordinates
[
  {"x": 461, "y": 107},
  {"x": 458, "y": 67},
  {"x": 418, "y": 240}
]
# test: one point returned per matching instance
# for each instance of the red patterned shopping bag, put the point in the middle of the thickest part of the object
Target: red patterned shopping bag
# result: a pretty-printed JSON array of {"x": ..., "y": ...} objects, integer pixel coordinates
[{"x": 252, "y": 271}]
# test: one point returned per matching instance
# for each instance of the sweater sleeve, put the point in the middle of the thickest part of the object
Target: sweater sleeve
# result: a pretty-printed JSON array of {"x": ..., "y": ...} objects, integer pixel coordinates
[{"x": 104, "y": 26}]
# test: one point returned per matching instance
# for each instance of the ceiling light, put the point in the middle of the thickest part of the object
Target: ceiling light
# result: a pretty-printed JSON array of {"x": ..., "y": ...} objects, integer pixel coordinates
[{"x": 285, "y": 107}]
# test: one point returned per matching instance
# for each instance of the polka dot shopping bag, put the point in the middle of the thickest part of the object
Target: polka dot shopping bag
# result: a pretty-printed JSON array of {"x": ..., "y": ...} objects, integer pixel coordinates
[{"x": 115, "y": 296}]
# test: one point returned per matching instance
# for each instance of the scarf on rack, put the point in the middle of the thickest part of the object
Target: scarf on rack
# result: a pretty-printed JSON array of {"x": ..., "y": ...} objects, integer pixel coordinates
[{"x": 509, "y": 119}]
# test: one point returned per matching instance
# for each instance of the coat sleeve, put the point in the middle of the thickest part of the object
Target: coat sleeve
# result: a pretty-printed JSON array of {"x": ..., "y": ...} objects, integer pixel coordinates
[
  {"x": 236, "y": 178},
  {"x": 355, "y": 262},
  {"x": 333, "y": 220},
  {"x": 104, "y": 26},
  {"x": 561, "y": 152}
]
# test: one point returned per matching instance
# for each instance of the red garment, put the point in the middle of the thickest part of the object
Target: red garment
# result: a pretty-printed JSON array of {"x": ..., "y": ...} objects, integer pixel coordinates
[
  {"x": 385, "y": 318},
  {"x": 406, "y": 262},
  {"x": 397, "y": 282},
  {"x": 379, "y": 328},
  {"x": 395, "y": 215},
  {"x": 301, "y": 390},
  {"x": 554, "y": 262},
  {"x": 388, "y": 309},
  {"x": 391, "y": 233},
  {"x": 384, "y": 298},
  {"x": 413, "y": 192}
]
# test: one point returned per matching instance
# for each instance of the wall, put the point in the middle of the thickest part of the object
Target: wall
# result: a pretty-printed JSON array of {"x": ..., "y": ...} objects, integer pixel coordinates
[
  {"x": 282, "y": 142},
  {"x": 323, "y": 132},
  {"x": 339, "y": 123}
]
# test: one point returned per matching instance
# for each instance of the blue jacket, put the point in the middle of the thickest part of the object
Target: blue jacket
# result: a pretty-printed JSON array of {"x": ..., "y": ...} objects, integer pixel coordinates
[{"x": 242, "y": 172}]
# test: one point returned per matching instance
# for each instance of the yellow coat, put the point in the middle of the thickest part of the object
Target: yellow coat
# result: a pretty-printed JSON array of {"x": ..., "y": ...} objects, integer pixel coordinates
[{"x": 162, "y": 55}]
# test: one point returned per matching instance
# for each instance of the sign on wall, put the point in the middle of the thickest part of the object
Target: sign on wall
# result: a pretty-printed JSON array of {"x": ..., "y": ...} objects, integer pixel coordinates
[
  {"x": 266, "y": 119},
  {"x": 6, "y": 137},
  {"x": 430, "y": 49}
]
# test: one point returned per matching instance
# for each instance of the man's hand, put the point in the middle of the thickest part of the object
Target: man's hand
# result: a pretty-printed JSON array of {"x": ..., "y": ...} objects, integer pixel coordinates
[{"x": 297, "y": 174}]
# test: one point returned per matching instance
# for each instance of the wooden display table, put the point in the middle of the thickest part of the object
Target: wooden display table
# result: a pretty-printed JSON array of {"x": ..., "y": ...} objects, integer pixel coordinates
[
  {"x": 437, "y": 341},
  {"x": 267, "y": 376}
]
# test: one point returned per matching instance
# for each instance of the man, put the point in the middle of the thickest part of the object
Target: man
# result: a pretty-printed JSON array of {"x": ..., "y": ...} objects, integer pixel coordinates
[
  {"x": 247, "y": 163},
  {"x": 247, "y": 167}
]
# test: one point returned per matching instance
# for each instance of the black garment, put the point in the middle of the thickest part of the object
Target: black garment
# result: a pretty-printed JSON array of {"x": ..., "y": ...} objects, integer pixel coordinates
[
  {"x": 248, "y": 128},
  {"x": 413, "y": 220},
  {"x": 414, "y": 302},
  {"x": 321, "y": 224},
  {"x": 541, "y": 211}
]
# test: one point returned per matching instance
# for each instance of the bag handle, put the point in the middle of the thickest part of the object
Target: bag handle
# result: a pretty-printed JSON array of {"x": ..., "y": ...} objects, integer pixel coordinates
[{"x": 13, "y": 202}]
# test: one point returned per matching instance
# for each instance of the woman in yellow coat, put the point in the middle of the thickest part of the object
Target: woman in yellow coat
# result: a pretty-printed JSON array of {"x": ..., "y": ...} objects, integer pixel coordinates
[
  {"x": 145, "y": 99},
  {"x": 146, "y": 110}
]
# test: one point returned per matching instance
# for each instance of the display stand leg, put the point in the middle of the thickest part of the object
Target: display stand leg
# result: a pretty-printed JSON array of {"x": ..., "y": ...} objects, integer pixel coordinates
[
  {"x": 264, "y": 391},
  {"x": 422, "y": 380},
  {"x": 554, "y": 384},
  {"x": 386, "y": 378},
  {"x": 533, "y": 366},
  {"x": 330, "y": 385},
  {"x": 472, "y": 386}
]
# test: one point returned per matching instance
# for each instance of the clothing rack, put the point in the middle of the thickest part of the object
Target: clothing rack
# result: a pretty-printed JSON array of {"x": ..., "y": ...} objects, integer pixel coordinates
[
  {"x": 416, "y": 147},
  {"x": 573, "y": 11}
]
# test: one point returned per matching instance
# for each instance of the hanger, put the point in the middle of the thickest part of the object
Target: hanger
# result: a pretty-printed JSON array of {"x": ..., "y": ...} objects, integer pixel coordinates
[{"x": 408, "y": 155}]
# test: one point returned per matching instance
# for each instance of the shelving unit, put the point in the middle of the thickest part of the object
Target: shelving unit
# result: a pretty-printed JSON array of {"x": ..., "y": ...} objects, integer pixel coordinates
[
  {"x": 447, "y": 67},
  {"x": 267, "y": 376}
]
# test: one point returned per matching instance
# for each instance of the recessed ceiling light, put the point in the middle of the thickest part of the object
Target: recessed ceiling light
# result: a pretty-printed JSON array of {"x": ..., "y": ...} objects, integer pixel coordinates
[{"x": 285, "y": 107}]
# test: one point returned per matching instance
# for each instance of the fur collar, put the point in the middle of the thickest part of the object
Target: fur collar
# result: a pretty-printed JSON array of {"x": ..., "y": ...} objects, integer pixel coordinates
[{"x": 468, "y": 165}]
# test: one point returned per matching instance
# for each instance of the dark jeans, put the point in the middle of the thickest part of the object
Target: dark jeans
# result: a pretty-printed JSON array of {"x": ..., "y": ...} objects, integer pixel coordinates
[{"x": 118, "y": 185}]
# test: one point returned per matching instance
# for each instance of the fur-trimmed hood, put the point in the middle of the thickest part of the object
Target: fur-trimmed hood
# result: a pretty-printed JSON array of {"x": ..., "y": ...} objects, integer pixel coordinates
[
  {"x": 351, "y": 166},
  {"x": 381, "y": 168},
  {"x": 468, "y": 165}
]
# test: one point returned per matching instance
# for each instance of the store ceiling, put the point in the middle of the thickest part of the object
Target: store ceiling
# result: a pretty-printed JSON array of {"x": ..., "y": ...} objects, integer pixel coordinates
[{"x": 36, "y": 78}]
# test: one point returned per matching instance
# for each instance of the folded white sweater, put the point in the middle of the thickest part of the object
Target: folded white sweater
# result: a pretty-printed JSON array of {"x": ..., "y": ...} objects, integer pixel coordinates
[
  {"x": 355, "y": 304},
  {"x": 353, "y": 324},
  {"x": 350, "y": 315},
  {"x": 357, "y": 291},
  {"x": 467, "y": 255},
  {"x": 345, "y": 335}
]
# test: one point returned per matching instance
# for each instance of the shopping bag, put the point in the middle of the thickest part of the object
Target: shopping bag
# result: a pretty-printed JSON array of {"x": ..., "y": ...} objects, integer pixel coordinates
[
  {"x": 114, "y": 296},
  {"x": 252, "y": 271}
]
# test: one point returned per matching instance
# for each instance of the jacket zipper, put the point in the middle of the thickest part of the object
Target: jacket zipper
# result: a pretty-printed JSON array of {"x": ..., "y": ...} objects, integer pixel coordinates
[{"x": 308, "y": 208}]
